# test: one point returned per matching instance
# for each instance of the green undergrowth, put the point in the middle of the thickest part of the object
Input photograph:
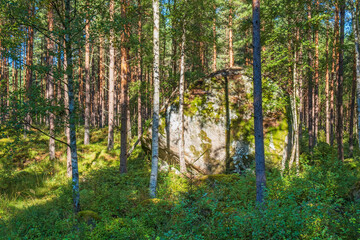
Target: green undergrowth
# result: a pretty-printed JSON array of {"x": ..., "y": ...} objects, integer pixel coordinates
[{"x": 35, "y": 201}]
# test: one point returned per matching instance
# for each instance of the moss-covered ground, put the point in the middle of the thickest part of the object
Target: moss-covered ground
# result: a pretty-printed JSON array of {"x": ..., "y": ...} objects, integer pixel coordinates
[{"x": 36, "y": 198}]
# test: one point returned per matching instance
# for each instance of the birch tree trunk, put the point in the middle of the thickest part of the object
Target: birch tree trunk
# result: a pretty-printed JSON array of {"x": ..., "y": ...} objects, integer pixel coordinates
[
  {"x": 156, "y": 103},
  {"x": 258, "y": 115},
  {"x": 181, "y": 107},
  {"x": 87, "y": 84},
  {"x": 69, "y": 70}
]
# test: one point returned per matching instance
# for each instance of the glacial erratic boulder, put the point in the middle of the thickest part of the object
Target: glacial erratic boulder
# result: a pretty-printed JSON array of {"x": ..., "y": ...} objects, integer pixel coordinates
[{"x": 205, "y": 126}]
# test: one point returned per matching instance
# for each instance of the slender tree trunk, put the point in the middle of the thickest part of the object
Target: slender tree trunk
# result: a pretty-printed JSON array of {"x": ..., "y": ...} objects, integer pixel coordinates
[
  {"x": 67, "y": 114},
  {"x": 181, "y": 107},
  {"x": 214, "y": 41},
  {"x": 231, "y": 51},
  {"x": 29, "y": 64},
  {"x": 352, "y": 110},
  {"x": 69, "y": 70},
  {"x": 125, "y": 75},
  {"x": 102, "y": 82},
  {"x": 258, "y": 115},
  {"x": 81, "y": 82},
  {"x": 139, "y": 73},
  {"x": 156, "y": 104},
  {"x": 227, "y": 126},
  {"x": 334, "y": 72},
  {"x": 50, "y": 78},
  {"x": 357, "y": 55},
  {"x": 310, "y": 88},
  {"x": 316, "y": 87},
  {"x": 87, "y": 84},
  {"x": 111, "y": 82},
  {"x": 339, "y": 106},
  {"x": 327, "y": 77}
]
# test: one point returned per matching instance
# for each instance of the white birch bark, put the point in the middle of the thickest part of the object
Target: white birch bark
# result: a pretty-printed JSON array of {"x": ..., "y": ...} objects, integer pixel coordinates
[{"x": 155, "y": 126}]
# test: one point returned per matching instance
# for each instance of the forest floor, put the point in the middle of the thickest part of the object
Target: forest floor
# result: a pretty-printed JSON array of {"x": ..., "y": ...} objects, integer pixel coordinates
[{"x": 36, "y": 198}]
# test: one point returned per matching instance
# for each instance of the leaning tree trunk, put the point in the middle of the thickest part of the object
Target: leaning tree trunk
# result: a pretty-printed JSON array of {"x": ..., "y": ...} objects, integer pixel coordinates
[
  {"x": 258, "y": 115},
  {"x": 156, "y": 104}
]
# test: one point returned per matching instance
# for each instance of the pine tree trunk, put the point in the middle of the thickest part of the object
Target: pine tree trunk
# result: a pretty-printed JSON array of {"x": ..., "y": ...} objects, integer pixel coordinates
[
  {"x": 258, "y": 115},
  {"x": 29, "y": 64},
  {"x": 334, "y": 73},
  {"x": 327, "y": 77},
  {"x": 87, "y": 84},
  {"x": 214, "y": 41},
  {"x": 181, "y": 105},
  {"x": 310, "y": 89},
  {"x": 67, "y": 114},
  {"x": 81, "y": 83},
  {"x": 316, "y": 87},
  {"x": 111, "y": 82},
  {"x": 139, "y": 73},
  {"x": 50, "y": 78},
  {"x": 357, "y": 55},
  {"x": 231, "y": 50},
  {"x": 102, "y": 82},
  {"x": 340, "y": 80},
  {"x": 352, "y": 110},
  {"x": 156, "y": 103},
  {"x": 125, "y": 74}
]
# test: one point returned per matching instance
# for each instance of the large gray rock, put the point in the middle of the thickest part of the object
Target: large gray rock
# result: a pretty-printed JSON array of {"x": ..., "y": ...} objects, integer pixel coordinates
[{"x": 205, "y": 121}]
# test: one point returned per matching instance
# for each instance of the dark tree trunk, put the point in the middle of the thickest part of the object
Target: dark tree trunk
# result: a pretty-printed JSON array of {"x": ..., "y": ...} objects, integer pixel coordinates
[
  {"x": 258, "y": 115},
  {"x": 125, "y": 75},
  {"x": 340, "y": 80}
]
